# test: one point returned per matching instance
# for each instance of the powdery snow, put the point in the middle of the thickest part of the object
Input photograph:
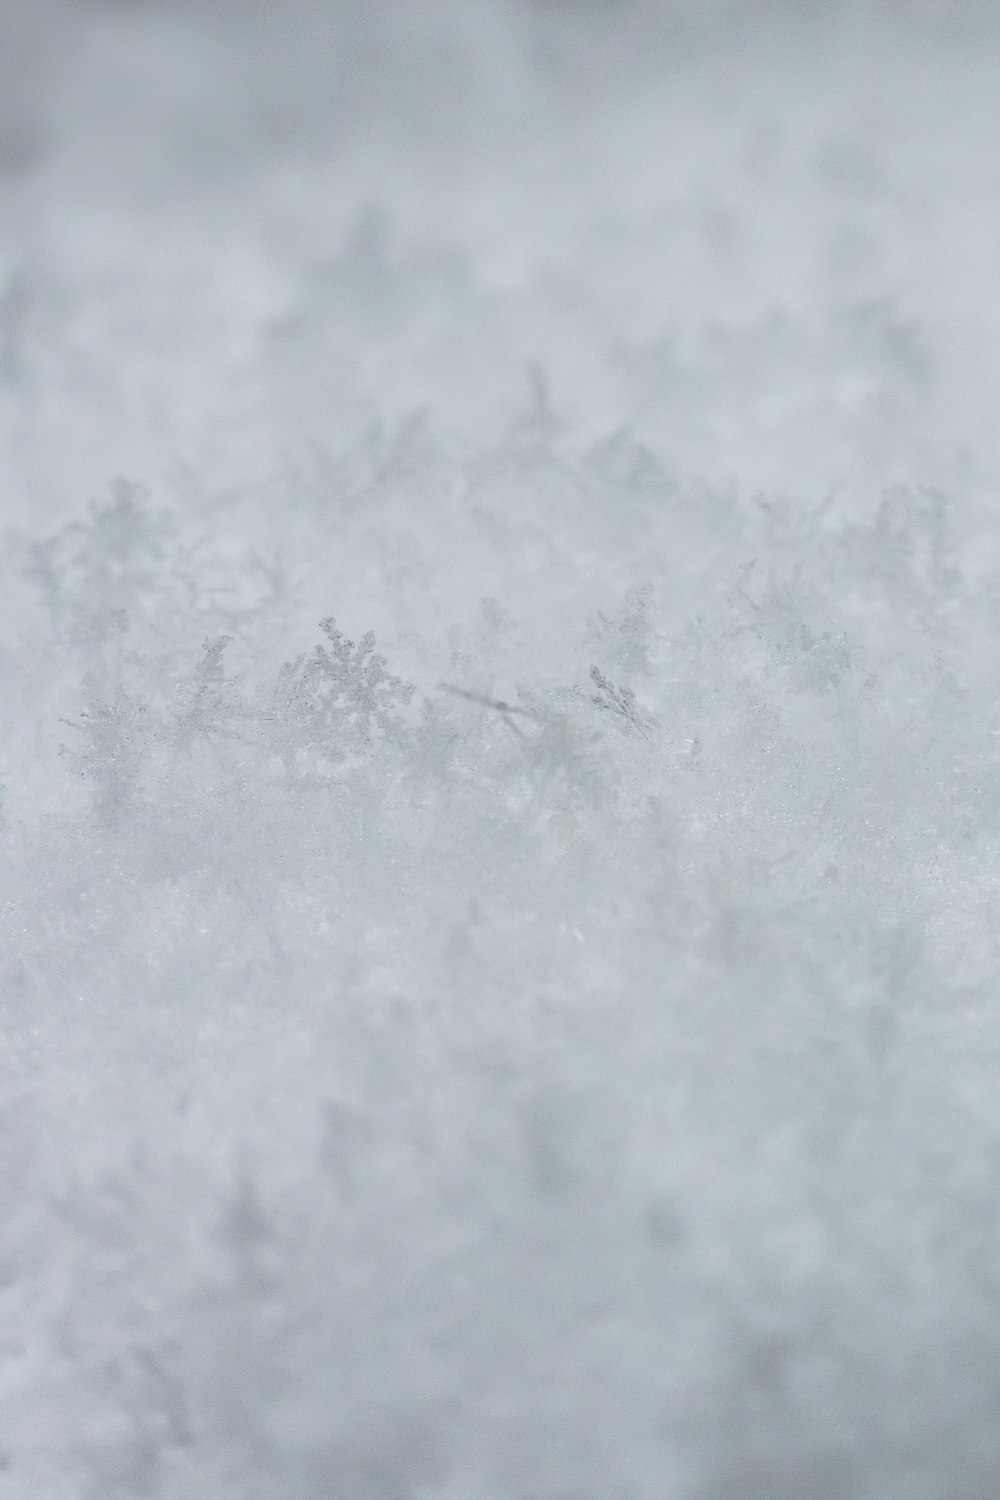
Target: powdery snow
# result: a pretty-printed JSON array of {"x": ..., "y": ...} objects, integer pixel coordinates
[{"x": 500, "y": 750}]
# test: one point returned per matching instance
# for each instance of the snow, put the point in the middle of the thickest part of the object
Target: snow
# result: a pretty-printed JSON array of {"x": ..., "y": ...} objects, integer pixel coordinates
[{"x": 500, "y": 750}]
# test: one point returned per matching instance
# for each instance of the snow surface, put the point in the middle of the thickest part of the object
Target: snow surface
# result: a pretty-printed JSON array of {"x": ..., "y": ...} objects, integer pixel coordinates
[{"x": 500, "y": 750}]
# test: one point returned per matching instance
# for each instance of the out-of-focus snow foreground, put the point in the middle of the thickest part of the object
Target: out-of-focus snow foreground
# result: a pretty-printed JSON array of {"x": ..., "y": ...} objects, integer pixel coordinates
[{"x": 500, "y": 750}]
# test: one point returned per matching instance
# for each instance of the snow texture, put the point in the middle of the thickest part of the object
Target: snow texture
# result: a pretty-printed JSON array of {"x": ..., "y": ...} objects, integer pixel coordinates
[{"x": 500, "y": 750}]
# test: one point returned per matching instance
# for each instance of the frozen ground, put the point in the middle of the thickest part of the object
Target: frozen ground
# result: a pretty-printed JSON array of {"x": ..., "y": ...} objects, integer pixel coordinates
[{"x": 549, "y": 1052}]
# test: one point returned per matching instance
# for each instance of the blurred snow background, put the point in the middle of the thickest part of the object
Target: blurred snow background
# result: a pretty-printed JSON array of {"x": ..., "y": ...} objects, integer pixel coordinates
[{"x": 500, "y": 767}]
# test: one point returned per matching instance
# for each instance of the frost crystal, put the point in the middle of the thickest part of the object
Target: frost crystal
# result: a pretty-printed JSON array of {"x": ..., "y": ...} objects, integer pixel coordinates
[{"x": 338, "y": 701}]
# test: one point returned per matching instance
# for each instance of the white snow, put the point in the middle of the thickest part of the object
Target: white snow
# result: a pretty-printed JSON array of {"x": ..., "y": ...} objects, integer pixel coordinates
[{"x": 499, "y": 760}]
